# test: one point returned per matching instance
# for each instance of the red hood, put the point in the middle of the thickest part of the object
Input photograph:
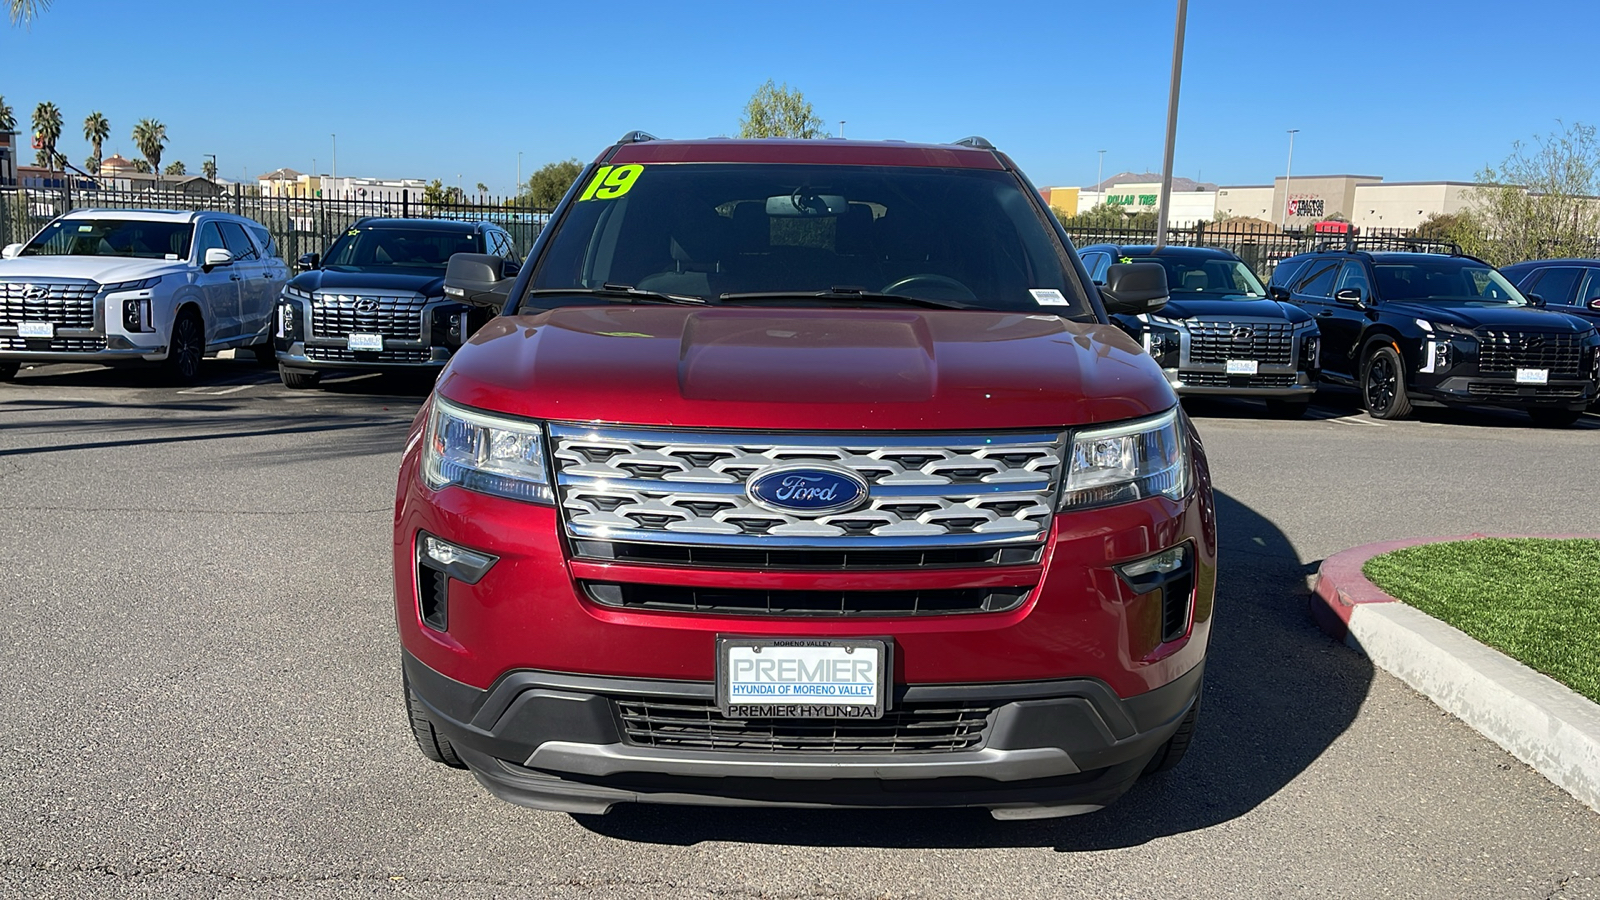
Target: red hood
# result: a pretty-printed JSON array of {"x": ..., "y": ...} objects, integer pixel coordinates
[{"x": 805, "y": 369}]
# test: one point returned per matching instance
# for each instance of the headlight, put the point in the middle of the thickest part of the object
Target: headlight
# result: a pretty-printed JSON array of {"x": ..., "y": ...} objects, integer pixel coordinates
[
  {"x": 1445, "y": 328},
  {"x": 484, "y": 453},
  {"x": 1126, "y": 462},
  {"x": 1170, "y": 323},
  {"x": 140, "y": 285},
  {"x": 296, "y": 293}
]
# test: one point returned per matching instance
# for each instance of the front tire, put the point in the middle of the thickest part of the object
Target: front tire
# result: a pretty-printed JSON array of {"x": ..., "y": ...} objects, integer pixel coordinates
[
  {"x": 186, "y": 349},
  {"x": 266, "y": 355},
  {"x": 1383, "y": 385},
  {"x": 1172, "y": 752},
  {"x": 8, "y": 370},
  {"x": 297, "y": 380},
  {"x": 1555, "y": 418},
  {"x": 433, "y": 745}
]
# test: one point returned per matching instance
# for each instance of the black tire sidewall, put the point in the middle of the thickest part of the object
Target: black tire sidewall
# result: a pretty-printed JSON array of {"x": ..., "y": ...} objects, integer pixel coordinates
[
  {"x": 175, "y": 361},
  {"x": 1400, "y": 404}
]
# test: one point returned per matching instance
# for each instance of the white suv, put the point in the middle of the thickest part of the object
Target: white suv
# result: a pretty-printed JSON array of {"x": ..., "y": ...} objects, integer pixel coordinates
[{"x": 105, "y": 285}]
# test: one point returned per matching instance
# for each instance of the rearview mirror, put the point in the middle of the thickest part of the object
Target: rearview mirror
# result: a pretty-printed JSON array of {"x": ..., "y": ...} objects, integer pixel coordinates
[
  {"x": 12, "y": 251},
  {"x": 1277, "y": 292},
  {"x": 1134, "y": 288},
  {"x": 217, "y": 256},
  {"x": 308, "y": 262},
  {"x": 477, "y": 278},
  {"x": 804, "y": 203}
]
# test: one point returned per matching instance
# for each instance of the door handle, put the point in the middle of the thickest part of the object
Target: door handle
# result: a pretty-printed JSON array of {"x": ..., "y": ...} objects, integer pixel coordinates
[
  {"x": 233, "y": 278},
  {"x": 1325, "y": 314}
]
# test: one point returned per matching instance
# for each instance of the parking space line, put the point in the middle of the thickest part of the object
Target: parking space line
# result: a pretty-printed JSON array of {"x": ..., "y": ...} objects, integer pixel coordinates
[{"x": 216, "y": 393}]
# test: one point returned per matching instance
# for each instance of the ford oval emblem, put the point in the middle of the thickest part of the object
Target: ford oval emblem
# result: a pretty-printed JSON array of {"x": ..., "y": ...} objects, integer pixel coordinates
[{"x": 808, "y": 490}]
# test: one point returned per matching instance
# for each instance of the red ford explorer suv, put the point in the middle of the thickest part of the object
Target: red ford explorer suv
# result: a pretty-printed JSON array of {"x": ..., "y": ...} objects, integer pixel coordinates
[{"x": 804, "y": 473}]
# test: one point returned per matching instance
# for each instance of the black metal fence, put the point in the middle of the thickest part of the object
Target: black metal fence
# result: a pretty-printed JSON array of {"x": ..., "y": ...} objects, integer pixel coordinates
[
  {"x": 1261, "y": 249},
  {"x": 300, "y": 224}
]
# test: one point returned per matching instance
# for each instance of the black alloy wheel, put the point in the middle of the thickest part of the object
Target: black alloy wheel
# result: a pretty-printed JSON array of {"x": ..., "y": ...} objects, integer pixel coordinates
[
  {"x": 1383, "y": 385},
  {"x": 187, "y": 348}
]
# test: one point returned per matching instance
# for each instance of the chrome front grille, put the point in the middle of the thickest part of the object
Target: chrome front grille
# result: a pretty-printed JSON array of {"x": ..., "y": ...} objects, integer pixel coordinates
[
  {"x": 66, "y": 304},
  {"x": 1213, "y": 342},
  {"x": 696, "y": 724},
  {"x": 689, "y": 487},
  {"x": 1507, "y": 351},
  {"x": 342, "y": 354},
  {"x": 54, "y": 345},
  {"x": 339, "y": 315}
]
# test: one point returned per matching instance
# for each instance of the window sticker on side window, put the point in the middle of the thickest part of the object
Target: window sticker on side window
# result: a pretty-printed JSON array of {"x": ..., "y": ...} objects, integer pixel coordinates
[
  {"x": 1048, "y": 297},
  {"x": 611, "y": 182}
]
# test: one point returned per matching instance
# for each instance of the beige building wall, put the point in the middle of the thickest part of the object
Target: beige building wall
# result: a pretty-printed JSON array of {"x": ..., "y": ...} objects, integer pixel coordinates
[
  {"x": 1301, "y": 201},
  {"x": 1407, "y": 204},
  {"x": 1251, "y": 200}
]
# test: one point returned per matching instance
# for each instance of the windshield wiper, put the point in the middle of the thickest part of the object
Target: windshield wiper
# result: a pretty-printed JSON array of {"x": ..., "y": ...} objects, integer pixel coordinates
[
  {"x": 624, "y": 292},
  {"x": 846, "y": 293}
]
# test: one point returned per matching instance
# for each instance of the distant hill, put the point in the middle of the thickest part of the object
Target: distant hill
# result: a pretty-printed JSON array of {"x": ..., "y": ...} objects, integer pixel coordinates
[{"x": 1179, "y": 183}]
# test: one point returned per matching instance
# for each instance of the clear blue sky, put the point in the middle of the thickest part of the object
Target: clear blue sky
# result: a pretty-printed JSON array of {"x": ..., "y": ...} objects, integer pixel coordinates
[{"x": 1406, "y": 89}]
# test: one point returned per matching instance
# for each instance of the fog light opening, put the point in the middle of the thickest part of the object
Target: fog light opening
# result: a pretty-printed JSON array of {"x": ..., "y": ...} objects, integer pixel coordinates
[{"x": 1170, "y": 572}]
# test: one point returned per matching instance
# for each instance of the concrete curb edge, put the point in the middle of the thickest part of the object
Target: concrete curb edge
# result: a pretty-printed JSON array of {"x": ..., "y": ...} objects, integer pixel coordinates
[{"x": 1540, "y": 721}]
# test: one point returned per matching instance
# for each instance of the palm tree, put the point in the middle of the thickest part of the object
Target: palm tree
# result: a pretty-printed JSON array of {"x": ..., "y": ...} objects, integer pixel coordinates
[
  {"x": 25, "y": 11},
  {"x": 8, "y": 119},
  {"x": 96, "y": 128},
  {"x": 177, "y": 168},
  {"x": 47, "y": 128},
  {"x": 209, "y": 169},
  {"x": 150, "y": 137}
]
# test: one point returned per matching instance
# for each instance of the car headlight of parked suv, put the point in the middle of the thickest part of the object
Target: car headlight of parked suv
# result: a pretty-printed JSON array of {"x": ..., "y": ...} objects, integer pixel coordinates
[
  {"x": 1126, "y": 462},
  {"x": 290, "y": 313},
  {"x": 488, "y": 454},
  {"x": 1440, "y": 348},
  {"x": 1161, "y": 339},
  {"x": 135, "y": 310}
]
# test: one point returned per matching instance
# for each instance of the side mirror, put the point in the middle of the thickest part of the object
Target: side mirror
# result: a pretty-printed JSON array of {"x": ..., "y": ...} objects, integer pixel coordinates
[
  {"x": 12, "y": 251},
  {"x": 1352, "y": 296},
  {"x": 1278, "y": 292},
  {"x": 510, "y": 268},
  {"x": 216, "y": 256},
  {"x": 1535, "y": 301},
  {"x": 1134, "y": 288},
  {"x": 477, "y": 278},
  {"x": 308, "y": 262},
  {"x": 1594, "y": 303}
]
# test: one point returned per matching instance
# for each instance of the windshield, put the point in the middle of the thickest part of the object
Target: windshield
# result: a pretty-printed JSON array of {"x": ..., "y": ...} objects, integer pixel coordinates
[
  {"x": 1213, "y": 277},
  {"x": 1450, "y": 280},
  {"x": 112, "y": 237},
  {"x": 398, "y": 249},
  {"x": 958, "y": 236}
]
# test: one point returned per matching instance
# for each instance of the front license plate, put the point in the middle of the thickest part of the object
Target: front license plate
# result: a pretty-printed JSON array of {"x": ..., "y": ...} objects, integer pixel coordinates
[
  {"x": 1533, "y": 376},
  {"x": 1242, "y": 366},
  {"x": 36, "y": 329},
  {"x": 802, "y": 678},
  {"x": 366, "y": 342}
]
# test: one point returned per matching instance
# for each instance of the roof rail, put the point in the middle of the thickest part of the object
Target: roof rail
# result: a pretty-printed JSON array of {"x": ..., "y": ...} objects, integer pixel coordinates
[
  {"x": 637, "y": 137},
  {"x": 978, "y": 143},
  {"x": 1399, "y": 243}
]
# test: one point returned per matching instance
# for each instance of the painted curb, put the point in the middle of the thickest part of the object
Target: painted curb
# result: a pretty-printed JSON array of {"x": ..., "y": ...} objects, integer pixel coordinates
[{"x": 1535, "y": 718}]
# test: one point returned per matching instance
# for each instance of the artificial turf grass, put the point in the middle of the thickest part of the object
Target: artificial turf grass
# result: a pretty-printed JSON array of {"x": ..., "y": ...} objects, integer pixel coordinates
[{"x": 1534, "y": 599}]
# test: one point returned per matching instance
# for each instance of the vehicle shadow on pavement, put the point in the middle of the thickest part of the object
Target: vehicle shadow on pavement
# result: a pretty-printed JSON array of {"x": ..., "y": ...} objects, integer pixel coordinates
[{"x": 1278, "y": 693}]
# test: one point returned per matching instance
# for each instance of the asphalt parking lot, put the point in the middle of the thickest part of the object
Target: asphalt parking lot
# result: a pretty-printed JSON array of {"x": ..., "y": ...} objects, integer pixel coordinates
[{"x": 205, "y": 703}]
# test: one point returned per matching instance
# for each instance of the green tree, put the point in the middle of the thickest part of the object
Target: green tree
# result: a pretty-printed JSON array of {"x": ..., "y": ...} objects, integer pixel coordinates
[
  {"x": 91, "y": 165},
  {"x": 209, "y": 169},
  {"x": 177, "y": 168},
  {"x": 142, "y": 165},
  {"x": 777, "y": 111},
  {"x": 545, "y": 187},
  {"x": 8, "y": 117},
  {"x": 1107, "y": 215},
  {"x": 47, "y": 128},
  {"x": 150, "y": 137},
  {"x": 436, "y": 194},
  {"x": 1538, "y": 203},
  {"x": 96, "y": 128},
  {"x": 25, "y": 11},
  {"x": 483, "y": 190},
  {"x": 1456, "y": 226}
]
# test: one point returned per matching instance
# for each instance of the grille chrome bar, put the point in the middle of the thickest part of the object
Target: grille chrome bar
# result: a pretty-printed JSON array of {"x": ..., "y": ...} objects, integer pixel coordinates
[
  {"x": 1507, "y": 351},
  {"x": 66, "y": 304},
  {"x": 338, "y": 315},
  {"x": 697, "y": 724},
  {"x": 687, "y": 487},
  {"x": 1214, "y": 342}
]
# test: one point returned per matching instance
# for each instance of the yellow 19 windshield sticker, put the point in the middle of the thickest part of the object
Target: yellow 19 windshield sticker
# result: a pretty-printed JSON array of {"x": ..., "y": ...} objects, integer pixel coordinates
[{"x": 611, "y": 182}]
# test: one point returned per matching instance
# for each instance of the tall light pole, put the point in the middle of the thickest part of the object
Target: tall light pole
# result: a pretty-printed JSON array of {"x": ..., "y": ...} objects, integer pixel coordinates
[
  {"x": 841, "y": 128},
  {"x": 213, "y": 158},
  {"x": 335, "y": 161},
  {"x": 1288, "y": 172},
  {"x": 1172, "y": 126},
  {"x": 1100, "y": 173},
  {"x": 519, "y": 172}
]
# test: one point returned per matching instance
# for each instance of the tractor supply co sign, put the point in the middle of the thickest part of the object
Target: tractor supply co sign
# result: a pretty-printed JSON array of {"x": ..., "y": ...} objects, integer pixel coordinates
[{"x": 1306, "y": 206}]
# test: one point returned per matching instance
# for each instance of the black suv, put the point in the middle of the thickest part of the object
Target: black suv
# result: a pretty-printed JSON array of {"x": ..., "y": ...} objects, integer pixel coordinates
[
  {"x": 1571, "y": 286},
  {"x": 1410, "y": 329},
  {"x": 376, "y": 300},
  {"x": 1220, "y": 333}
]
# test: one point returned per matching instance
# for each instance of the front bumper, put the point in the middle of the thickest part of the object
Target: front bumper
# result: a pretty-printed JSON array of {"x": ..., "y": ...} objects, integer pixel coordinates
[
  {"x": 1493, "y": 390},
  {"x": 1216, "y": 382},
  {"x": 78, "y": 346},
  {"x": 555, "y": 741},
  {"x": 293, "y": 355}
]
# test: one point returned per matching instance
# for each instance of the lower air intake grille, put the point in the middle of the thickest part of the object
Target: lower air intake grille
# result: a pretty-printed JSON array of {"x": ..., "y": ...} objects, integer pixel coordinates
[
  {"x": 756, "y": 602},
  {"x": 697, "y": 725},
  {"x": 54, "y": 345},
  {"x": 1221, "y": 379},
  {"x": 340, "y": 354}
]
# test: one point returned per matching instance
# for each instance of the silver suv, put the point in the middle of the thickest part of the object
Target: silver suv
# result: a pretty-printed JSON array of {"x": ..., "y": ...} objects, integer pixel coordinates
[{"x": 111, "y": 285}]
